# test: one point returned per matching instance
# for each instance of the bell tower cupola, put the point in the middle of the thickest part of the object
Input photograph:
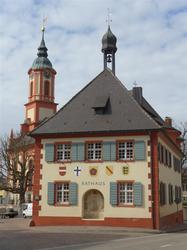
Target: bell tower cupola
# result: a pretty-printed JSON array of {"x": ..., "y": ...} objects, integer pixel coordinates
[
  {"x": 41, "y": 100},
  {"x": 109, "y": 49}
]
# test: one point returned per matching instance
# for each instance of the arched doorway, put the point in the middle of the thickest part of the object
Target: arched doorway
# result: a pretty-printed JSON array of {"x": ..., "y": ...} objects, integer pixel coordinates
[{"x": 93, "y": 205}]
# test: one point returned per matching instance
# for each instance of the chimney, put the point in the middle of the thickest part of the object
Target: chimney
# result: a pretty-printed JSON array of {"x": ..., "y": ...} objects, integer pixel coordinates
[
  {"x": 137, "y": 94},
  {"x": 168, "y": 121}
]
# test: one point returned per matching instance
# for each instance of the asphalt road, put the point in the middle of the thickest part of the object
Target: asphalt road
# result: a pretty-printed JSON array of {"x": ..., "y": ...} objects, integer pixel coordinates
[
  {"x": 171, "y": 241},
  {"x": 15, "y": 234}
]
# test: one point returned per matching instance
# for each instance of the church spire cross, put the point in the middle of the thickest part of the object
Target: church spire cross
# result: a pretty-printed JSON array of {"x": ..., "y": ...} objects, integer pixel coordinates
[
  {"x": 43, "y": 24},
  {"x": 109, "y": 19},
  {"x": 42, "y": 50}
]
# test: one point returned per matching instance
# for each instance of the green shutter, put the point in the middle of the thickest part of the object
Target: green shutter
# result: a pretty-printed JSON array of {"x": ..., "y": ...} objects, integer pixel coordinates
[
  {"x": 139, "y": 150},
  {"x": 74, "y": 152},
  {"x": 50, "y": 193},
  {"x": 113, "y": 151},
  {"x": 113, "y": 193},
  {"x": 49, "y": 152},
  {"x": 80, "y": 151},
  {"x": 109, "y": 151},
  {"x": 73, "y": 189},
  {"x": 138, "y": 194},
  {"x": 77, "y": 151},
  {"x": 106, "y": 151}
]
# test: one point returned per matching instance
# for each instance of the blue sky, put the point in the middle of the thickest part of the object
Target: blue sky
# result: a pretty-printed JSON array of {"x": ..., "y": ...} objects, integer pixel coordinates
[{"x": 152, "y": 50}]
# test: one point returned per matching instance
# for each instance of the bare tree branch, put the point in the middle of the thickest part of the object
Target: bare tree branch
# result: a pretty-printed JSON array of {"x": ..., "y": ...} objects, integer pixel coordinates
[
  {"x": 184, "y": 144},
  {"x": 16, "y": 165}
]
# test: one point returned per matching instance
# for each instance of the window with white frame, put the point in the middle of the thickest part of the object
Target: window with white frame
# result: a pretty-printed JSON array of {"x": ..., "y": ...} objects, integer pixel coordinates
[
  {"x": 125, "y": 193},
  {"x": 62, "y": 193},
  {"x": 63, "y": 152},
  {"x": 125, "y": 150},
  {"x": 94, "y": 151}
]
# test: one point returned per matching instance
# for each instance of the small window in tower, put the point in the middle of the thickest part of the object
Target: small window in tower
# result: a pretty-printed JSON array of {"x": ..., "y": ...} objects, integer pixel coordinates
[
  {"x": 46, "y": 88},
  {"x": 31, "y": 89}
]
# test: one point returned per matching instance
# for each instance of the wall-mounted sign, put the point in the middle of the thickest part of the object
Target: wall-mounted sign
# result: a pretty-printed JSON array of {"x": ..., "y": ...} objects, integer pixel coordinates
[
  {"x": 93, "y": 171},
  {"x": 109, "y": 170},
  {"x": 93, "y": 183},
  {"x": 125, "y": 170},
  {"x": 77, "y": 171},
  {"x": 62, "y": 170}
]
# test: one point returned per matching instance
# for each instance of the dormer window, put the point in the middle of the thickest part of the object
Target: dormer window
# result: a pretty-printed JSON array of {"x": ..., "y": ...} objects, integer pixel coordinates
[{"x": 100, "y": 104}]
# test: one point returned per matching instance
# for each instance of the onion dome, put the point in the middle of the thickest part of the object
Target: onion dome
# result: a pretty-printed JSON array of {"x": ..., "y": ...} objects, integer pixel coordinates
[
  {"x": 109, "y": 41},
  {"x": 42, "y": 61}
]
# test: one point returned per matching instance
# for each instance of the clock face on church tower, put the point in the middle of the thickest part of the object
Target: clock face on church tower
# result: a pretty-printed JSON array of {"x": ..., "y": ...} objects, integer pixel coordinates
[{"x": 47, "y": 74}]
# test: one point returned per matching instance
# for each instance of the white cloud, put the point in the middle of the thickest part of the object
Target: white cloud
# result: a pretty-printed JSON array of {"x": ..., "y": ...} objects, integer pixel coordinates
[{"x": 152, "y": 49}]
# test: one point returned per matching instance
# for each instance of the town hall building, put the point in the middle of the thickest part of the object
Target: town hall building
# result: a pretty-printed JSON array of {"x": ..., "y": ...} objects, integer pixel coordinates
[{"x": 106, "y": 157}]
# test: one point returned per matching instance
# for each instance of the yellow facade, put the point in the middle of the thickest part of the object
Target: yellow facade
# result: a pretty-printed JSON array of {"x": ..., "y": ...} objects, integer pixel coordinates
[
  {"x": 31, "y": 114},
  {"x": 138, "y": 171},
  {"x": 169, "y": 176}
]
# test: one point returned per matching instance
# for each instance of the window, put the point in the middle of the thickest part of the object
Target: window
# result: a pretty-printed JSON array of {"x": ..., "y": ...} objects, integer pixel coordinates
[
  {"x": 62, "y": 193},
  {"x": 125, "y": 150},
  {"x": 31, "y": 89},
  {"x": 166, "y": 157},
  {"x": 176, "y": 164},
  {"x": 162, "y": 154},
  {"x": 1, "y": 199},
  {"x": 63, "y": 152},
  {"x": 94, "y": 151},
  {"x": 184, "y": 187},
  {"x": 162, "y": 193},
  {"x": 46, "y": 88},
  {"x": 170, "y": 162},
  {"x": 170, "y": 193},
  {"x": 125, "y": 193}
]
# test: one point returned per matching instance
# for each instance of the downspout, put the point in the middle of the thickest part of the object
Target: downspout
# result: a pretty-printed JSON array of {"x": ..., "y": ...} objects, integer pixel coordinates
[{"x": 155, "y": 180}]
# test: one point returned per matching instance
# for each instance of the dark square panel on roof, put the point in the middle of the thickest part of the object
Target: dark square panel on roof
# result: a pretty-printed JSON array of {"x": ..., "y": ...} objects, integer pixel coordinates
[{"x": 100, "y": 101}]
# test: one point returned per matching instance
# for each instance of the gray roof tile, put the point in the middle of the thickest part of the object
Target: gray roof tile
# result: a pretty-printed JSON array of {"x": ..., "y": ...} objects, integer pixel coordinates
[{"x": 123, "y": 112}]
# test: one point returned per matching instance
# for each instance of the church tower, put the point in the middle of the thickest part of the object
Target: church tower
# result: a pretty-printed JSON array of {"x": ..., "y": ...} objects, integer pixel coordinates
[
  {"x": 40, "y": 103},
  {"x": 109, "y": 49}
]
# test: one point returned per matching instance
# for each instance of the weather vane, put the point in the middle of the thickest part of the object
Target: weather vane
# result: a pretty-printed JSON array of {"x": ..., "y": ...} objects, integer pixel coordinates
[
  {"x": 43, "y": 23},
  {"x": 109, "y": 19}
]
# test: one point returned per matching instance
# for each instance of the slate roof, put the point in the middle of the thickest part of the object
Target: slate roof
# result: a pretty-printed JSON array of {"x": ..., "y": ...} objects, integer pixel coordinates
[
  {"x": 149, "y": 109},
  {"x": 122, "y": 112}
]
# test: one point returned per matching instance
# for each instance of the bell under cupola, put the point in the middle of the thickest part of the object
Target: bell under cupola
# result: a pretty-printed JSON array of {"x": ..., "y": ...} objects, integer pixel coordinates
[
  {"x": 41, "y": 100},
  {"x": 109, "y": 49}
]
